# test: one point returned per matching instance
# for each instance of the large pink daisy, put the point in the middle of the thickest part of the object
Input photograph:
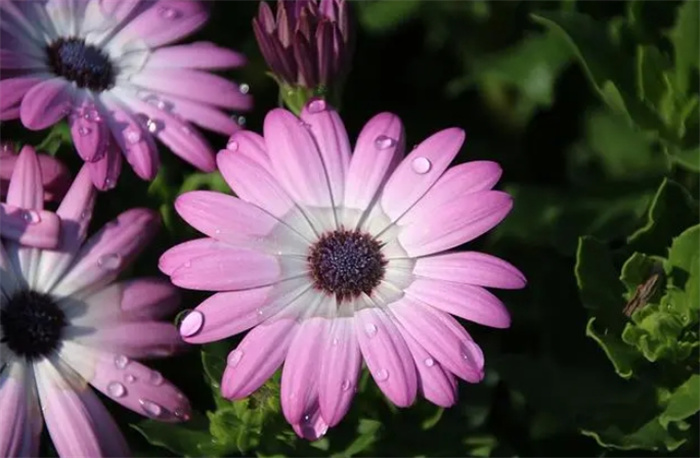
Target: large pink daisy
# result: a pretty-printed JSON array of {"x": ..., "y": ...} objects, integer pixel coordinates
[
  {"x": 105, "y": 65},
  {"x": 65, "y": 324},
  {"x": 334, "y": 259}
]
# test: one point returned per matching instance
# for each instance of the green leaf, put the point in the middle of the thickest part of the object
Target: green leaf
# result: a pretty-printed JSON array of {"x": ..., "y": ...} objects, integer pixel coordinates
[
  {"x": 211, "y": 181},
  {"x": 687, "y": 158},
  {"x": 684, "y": 402},
  {"x": 58, "y": 136},
  {"x": 183, "y": 439},
  {"x": 637, "y": 270},
  {"x": 683, "y": 270},
  {"x": 685, "y": 37},
  {"x": 671, "y": 211},
  {"x": 621, "y": 355},
  {"x": 651, "y": 436},
  {"x": 597, "y": 279},
  {"x": 656, "y": 332},
  {"x": 385, "y": 15},
  {"x": 367, "y": 434}
]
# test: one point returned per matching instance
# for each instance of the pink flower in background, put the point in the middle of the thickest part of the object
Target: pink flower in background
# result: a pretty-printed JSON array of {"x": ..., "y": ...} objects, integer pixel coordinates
[
  {"x": 106, "y": 67},
  {"x": 65, "y": 323},
  {"x": 55, "y": 177},
  {"x": 334, "y": 259}
]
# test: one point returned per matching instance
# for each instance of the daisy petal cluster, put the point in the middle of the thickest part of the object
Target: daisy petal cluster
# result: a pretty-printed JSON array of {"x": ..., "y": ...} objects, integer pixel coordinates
[
  {"x": 111, "y": 69},
  {"x": 66, "y": 324},
  {"x": 333, "y": 257}
]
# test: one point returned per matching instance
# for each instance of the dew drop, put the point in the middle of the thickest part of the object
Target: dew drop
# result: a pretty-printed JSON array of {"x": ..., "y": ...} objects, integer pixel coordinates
[
  {"x": 307, "y": 418},
  {"x": 232, "y": 145},
  {"x": 169, "y": 13},
  {"x": 84, "y": 214},
  {"x": 116, "y": 389},
  {"x": 129, "y": 378},
  {"x": 192, "y": 323},
  {"x": 261, "y": 312},
  {"x": 382, "y": 375},
  {"x": 31, "y": 217},
  {"x": 156, "y": 378},
  {"x": 345, "y": 385},
  {"x": 121, "y": 361},
  {"x": 110, "y": 261},
  {"x": 186, "y": 130},
  {"x": 188, "y": 264},
  {"x": 421, "y": 165},
  {"x": 370, "y": 330},
  {"x": 430, "y": 362},
  {"x": 335, "y": 341},
  {"x": 152, "y": 126},
  {"x": 244, "y": 88},
  {"x": 384, "y": 142},
  {"x": 179, "y": 413},
  {"x": 317, "y": 106},
  {"x": 241, "y": 121},
  {"x": 235, "y": 357},
  {"x": 83, "y": 131},
  {"x": 133, "y": 136},
  {"x": 150, "y": 407}
]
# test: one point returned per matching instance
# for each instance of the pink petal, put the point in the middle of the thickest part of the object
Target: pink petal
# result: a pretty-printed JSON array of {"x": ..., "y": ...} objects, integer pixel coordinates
[
  {"x": 16, "y": 435},
  {"x": 26, "y": 189},
  {"x": 227, "y": 270},
  {"x": 230, "y": 313},
  {"x": 109, "y": 251},
  {"x": 449, "y": 344},
  {"x": 472, "y": 268},
  {"x": 34, "y": 228},
  {"x": 110, "y": 437},
  {"x": 332, "y": 139},
  {"x": 45, "y": 103},
  {"x": 406, "y": 186},
  {"x": 378, "y": 150},
  {"x": 257, "y": 357},
  {"x": 19, "y": 60},
  {"x": 340, "y": 366},
  {"x": 472, "y": 303},
  {"x": 164, "y": 22},
  {"x": 183, "y": 139},
  {"x": 75, "y": 212},
  {"x": 234, "y": 221},
  {"x": 129, "y": 383},
  {"x": 179, "y": 255},
  {"x": 105, "y": 171},
  {"x": 301, "y": 370},
  {"x": 134, "y": 140},
  {"x": 55, "y": 177},
  {"x": 149, "y": 298},
  {"x": 195, "y": 85},
  {"x": 118, "y": 11},
  {"x": 296, "y": 161},
  {"x": 90, "y": 136},
  {"x": 458, "y": 222},
  {"x": 204, "y": 115},
  {"x": 139, "y": 339},
  {"x": 14, "y": 89},
  {"x": 73, "y": 430},
  {"x": 435, "y": 384},
  {"x": 202, "y": 54},
  {"x": 387, "y": 356},
  {"x": 313, "y": 426},
  {"x": 456, "y": 182}
]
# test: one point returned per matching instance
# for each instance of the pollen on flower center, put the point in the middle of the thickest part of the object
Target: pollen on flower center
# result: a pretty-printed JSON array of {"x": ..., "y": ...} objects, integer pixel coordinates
[
  {"x": 31, "y": 324},
  {"x": 346, "y": 263},
  {"x": 84, "y": 64}
]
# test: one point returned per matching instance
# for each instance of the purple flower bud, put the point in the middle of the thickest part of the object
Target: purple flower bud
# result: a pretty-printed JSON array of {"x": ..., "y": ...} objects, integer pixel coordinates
[{"x": 306, "y": 43}]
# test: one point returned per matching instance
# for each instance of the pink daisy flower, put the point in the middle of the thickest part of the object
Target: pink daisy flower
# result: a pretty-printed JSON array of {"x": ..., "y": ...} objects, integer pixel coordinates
[
  {"x": 66, "y": 323},
  {"x": 334, "y": 259},
  {"x": 105, "y": 65}
]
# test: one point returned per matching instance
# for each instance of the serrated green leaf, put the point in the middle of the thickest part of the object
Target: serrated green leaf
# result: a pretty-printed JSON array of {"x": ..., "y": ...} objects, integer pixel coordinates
[
  {"x": 683, "y": 270},
  {"x": 685, "y": 37},
  {"x": 672, "y": 210},
  {"x": 651, "y": 436},
  {"x": 637, "y": 270},
  {"x": 183, "y": 439},
  {"x": 621, "y": 355},
  {"x": 656, "y": 333},
  {"x": 652, "y": 85},
  {"x": 684, "y": 402}
]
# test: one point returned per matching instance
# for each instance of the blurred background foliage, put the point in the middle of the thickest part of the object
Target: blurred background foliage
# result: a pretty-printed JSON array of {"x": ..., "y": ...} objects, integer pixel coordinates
[{"x": 592, "y": 110}]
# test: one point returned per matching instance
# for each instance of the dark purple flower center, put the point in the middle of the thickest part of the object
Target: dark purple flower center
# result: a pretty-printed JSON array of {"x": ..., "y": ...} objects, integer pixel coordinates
[
  {"x": 346, "y": 264},
  {"x": 31, "y": 324},
  {"x": 84, "y": 64}
]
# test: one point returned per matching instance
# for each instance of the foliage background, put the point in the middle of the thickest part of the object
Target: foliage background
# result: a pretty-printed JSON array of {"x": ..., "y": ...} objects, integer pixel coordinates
[{"x": 592, "y": 110}]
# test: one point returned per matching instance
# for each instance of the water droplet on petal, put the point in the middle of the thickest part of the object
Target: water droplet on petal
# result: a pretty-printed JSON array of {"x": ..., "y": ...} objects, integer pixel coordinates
[
  {"x": 116, "y": 389},
  {"x": 307, "y": 418},
  {"x": 244, "y": 88},
  {"x": 150, "y": 407},
  {"x": 317, "y": 106},
  {"x": 430, "y": 362},
  {"x": 169, "y": 13},
  {"x": 384, "y": 142},
  {"x": 345, "y": 385},
  {"x": 156, "y": 378},
  {"x": 110, "y": 261},
  {"x": 179, "y": 413},
  {"x": 370, "y": 330},
  {"x": 335, "y": 341},
  {"x": 133, "y": 136},
  {"x": 235, "y": 357},
  {"x": 241, "y": 121},
  {"x": 129, "y": 378},
  {"x": 382, "y": 375},
  {"x": 121, "y": 361},
  {"x": 152, "y": 126},
  {"x": 84, "y": 131},
  {"x": 192, "y": 323},
  {"x": 31, "y": 217},
  {"x": 421, "y": 165},
  {"x": 232, "y": 145}
]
